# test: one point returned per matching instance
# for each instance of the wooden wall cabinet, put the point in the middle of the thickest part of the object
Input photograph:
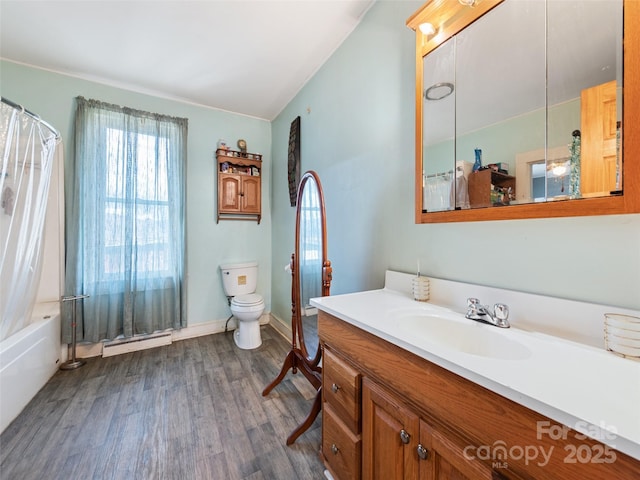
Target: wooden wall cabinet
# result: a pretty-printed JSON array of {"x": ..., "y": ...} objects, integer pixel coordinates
[
  {"x": 239, "y": 185},
  {"x": 420, "y": 421}
]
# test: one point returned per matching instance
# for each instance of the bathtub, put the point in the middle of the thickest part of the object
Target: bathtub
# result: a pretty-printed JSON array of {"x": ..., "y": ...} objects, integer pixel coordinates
[{"x": 28, "y": 359}]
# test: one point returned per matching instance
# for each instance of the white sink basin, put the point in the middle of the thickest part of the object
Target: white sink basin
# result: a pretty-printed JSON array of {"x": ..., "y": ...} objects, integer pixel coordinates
[{"x": 467, "y": 336}]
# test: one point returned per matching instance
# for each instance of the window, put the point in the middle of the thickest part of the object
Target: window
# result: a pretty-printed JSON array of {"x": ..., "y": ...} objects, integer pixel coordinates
[
  {"x": 145, "y": 191},
  {"x": 125, "y": 215}
]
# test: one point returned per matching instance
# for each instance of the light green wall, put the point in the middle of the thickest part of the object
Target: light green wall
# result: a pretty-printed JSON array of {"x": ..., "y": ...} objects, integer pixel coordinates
[
  {"x": 357, "y": 122},
  {"x": 357, "y": 125},
  {"x": 51, "y": 96}
]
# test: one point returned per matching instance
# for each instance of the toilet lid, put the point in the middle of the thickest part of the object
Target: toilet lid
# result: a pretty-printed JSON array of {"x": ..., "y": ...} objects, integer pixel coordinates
[{"x": 246, "y": 300}]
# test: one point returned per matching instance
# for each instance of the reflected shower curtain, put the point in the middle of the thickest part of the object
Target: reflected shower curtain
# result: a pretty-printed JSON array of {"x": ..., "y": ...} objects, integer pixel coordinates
[
  {"x": 28, "y": 149},
  {"x": 125, "y": 210},
  {"x": 437, "y": 192}
]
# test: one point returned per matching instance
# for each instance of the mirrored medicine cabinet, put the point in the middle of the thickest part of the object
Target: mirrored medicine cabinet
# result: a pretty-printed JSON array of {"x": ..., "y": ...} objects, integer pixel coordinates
[{"x": 526, "y": 109}]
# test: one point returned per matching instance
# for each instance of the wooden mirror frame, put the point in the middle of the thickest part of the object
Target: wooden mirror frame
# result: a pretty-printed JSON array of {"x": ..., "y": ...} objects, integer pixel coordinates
[
  {"x": 298, "y": 357},
  {"x": 296, "y": 302},
  {"x": 452, "y": 17}
]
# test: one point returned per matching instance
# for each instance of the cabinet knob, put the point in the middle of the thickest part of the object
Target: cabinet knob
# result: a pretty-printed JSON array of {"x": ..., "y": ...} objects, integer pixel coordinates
[
  {"x": 404, "y": 436},
  {"x": 334, "y": 449},
  {"x": 423, "y": 453},
  {"x": 335, "y": 388}
]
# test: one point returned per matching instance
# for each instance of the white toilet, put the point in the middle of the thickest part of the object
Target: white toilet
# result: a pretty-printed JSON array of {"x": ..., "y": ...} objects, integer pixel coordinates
[{"x": 239, "y": 281}]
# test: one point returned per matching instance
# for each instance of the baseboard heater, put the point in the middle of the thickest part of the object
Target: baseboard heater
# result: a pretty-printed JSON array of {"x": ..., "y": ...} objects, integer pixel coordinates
[{"x": 133, "y": 344}]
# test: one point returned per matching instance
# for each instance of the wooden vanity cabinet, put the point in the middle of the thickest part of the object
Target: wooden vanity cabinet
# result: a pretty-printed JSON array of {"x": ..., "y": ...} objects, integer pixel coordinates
[
  {"x": 465, "y": 429},
  {"x": 239, "y": 185}
]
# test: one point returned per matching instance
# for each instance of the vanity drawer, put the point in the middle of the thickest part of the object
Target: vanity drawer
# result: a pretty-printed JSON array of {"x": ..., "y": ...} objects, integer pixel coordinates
[
  {"x": 340, "y": 447},
  {"x": 341, "y": 389}
]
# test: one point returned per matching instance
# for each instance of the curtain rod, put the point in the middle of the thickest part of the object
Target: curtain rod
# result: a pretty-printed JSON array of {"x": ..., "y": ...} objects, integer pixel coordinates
[
  {"x": 441, "y": 174},
  {"x": 32, "y": 115}
]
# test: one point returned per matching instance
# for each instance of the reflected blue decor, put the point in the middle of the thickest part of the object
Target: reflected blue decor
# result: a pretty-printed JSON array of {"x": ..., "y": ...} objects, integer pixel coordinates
[
  {"x": 574, "y": 166},
  {"x": 478, "y": 163}
]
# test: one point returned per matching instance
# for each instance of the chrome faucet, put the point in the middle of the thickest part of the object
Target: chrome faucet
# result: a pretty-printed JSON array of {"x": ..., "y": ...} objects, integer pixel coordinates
[{"x": 481, "y": 313}]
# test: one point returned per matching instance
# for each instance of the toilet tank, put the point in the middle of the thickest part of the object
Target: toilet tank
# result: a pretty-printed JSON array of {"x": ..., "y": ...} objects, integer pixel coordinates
[{"x": 239, "y": 278}]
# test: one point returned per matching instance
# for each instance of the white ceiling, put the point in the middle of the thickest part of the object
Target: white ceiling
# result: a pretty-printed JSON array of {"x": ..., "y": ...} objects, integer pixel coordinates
[{"x": 244, "y": 56}]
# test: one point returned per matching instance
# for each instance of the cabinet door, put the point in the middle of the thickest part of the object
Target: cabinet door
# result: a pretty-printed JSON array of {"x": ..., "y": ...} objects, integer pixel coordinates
[
  {"x": 250, "y": 195},
  {"x": 389, "y": 436},
  {"x": 229, "y": 193},
  {"x": 445, "y": 456}
]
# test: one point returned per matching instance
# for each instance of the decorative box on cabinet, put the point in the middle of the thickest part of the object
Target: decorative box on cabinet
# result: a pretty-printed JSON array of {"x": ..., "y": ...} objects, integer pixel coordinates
[
  {"x": 239, "y": 185},
  {"x": 480, "y": 188}
]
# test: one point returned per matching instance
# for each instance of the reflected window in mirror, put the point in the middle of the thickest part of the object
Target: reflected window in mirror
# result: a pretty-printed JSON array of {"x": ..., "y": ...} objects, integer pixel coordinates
[
  {"x": 310, "y": 246},
  {"x": 310, "y": 263},
  {"x": 311, "y": 268},
  {"x": 524, "y": 77}
]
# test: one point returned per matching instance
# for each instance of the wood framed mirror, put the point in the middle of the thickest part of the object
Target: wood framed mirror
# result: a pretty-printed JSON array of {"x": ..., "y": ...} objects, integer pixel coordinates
[
  {"x": 310, "y": 277},
  {"x": 477, "y": 57}
]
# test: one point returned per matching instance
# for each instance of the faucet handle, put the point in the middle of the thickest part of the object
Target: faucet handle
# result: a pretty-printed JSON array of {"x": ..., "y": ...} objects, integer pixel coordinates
[
  {"x": 473, "y": 305},
  {"x": 473, "y": 302},
  {"x": 501, "y": 311}
]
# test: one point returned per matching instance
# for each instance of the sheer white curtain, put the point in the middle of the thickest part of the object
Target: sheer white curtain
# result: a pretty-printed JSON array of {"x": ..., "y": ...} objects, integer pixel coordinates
[
  {"x": 125, "y": 221},
  {"x": 437, "y": 192},
  {"x": 28, "y": 149}
]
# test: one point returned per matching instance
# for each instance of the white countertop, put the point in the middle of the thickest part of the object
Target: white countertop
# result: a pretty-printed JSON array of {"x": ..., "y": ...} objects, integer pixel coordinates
[{"x": 583, "y": 387}]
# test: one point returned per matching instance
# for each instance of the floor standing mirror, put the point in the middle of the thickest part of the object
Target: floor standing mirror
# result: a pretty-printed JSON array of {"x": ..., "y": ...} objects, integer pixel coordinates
[{"x": 310, "y": 277}]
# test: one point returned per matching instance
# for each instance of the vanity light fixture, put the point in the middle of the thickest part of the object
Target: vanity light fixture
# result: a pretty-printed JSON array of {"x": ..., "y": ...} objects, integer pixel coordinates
[
  {"x": 438, "y": 91},
  {"x": 427, "y": 28}
]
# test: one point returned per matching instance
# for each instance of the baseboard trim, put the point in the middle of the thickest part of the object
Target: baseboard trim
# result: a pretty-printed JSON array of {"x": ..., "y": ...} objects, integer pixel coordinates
[
  {"x": 281, "y": 327},
  {"x": 87, "y": 350}
]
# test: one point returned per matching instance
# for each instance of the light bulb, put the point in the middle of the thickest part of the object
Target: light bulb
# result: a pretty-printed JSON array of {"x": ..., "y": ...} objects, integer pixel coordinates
[{"x": 427, "y": 28}]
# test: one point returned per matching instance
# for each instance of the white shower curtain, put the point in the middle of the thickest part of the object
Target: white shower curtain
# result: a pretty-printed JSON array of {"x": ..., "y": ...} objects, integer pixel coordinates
[
  {"x": 27, "y": 147},
  {"x": 437, "y": 192}
]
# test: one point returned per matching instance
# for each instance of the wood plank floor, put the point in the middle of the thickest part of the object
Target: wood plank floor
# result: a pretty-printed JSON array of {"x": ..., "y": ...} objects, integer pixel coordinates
[{"x": 190, "y": 410}]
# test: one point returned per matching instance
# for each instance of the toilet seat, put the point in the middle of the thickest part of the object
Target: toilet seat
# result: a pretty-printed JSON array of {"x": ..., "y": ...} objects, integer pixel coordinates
[{"x": 248, "y": 300}]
